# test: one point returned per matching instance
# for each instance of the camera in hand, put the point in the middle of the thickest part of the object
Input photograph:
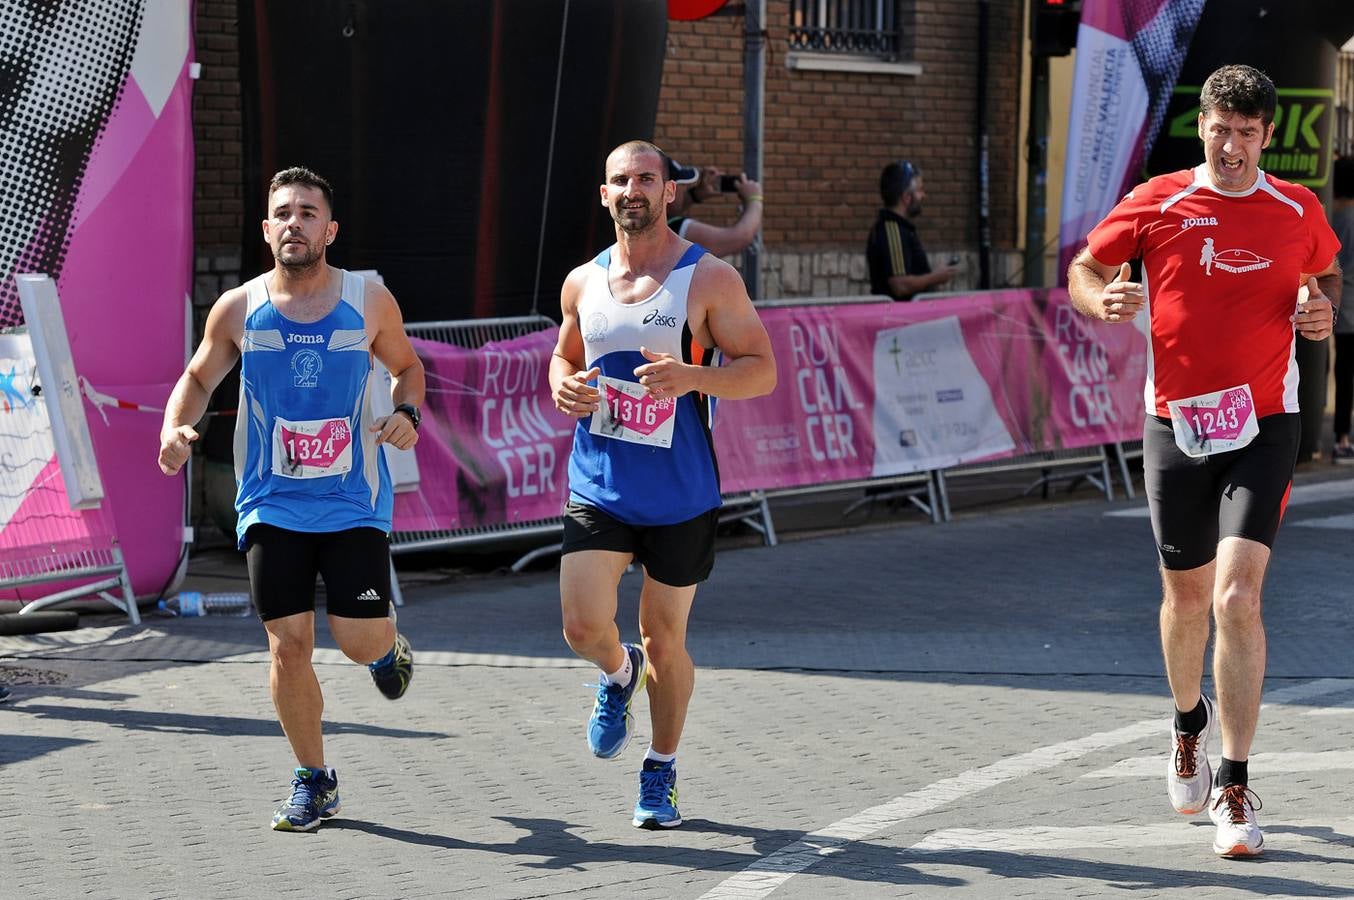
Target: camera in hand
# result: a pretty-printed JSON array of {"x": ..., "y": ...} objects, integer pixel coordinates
[{"x": 728, "y": 184}]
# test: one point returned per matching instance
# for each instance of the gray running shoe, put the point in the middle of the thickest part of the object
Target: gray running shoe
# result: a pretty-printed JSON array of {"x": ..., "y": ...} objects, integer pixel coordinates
[
  {"x": 1233, "y": 811},
  {"x": 1189, "y": 777}
]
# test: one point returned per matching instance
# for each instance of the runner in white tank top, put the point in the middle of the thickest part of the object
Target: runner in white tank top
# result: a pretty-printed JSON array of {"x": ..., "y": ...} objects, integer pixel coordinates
[{"x": 641, "y": 395}]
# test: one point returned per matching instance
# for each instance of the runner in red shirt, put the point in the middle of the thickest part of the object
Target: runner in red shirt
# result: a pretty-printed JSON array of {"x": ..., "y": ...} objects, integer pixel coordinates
[{"x": 1235, "y": 264}]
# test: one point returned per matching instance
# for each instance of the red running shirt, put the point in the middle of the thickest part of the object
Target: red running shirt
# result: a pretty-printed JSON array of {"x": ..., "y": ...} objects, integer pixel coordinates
[{"x": 1221, "y": 273}]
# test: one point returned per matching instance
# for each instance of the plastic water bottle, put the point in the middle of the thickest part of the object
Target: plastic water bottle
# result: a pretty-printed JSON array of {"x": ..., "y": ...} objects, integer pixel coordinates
[{"x": 195, "y": 603}]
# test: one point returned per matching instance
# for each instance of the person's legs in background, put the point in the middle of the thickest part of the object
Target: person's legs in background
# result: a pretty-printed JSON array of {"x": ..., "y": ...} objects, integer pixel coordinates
[{"x": 1344, "y": 397}]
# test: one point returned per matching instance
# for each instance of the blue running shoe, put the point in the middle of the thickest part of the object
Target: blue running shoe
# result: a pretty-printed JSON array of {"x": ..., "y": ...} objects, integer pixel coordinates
[
  {"x": 657, "y": 806},
  {"x": 393, "y": 674},
  {"x": 314, "y": 796},
  {"x": 611, "y": 723}
]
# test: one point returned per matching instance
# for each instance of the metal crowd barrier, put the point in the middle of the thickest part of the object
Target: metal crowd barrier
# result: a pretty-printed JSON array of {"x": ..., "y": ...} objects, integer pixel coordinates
[
  {"x": 471, "y": 334},
  {"x": 928, "y": 491},
  {"x": 1123, "y": 452},
  {"x": 1084, "y": 463},
  {"x": 1090, "y": 464}
]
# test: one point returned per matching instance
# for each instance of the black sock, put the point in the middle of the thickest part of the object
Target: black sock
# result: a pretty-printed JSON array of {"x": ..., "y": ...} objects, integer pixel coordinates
[
  {"x": 1192, "y": 722},
  {"x": 1231, "y": 772}
]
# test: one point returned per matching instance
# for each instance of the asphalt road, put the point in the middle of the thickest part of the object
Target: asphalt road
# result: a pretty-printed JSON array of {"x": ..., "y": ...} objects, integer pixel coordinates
[{"x": 974, "y": 709}]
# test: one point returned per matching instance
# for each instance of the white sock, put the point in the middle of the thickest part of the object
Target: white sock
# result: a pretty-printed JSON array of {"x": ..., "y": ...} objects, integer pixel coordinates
[
  {"x": 622, "y": 675},
  {"x": 659, "y": 757}
]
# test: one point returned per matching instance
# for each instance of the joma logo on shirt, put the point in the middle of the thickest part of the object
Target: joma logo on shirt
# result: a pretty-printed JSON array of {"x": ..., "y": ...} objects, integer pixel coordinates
[
  {"x": 305, "y": 339},
  {"x": 669, "y": 321},
  {"x": 1195, "y": 223}
]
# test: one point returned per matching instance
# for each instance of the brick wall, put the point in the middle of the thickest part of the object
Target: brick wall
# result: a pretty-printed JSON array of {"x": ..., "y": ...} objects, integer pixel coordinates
[
  {"x": 828, "y": 134},
  {"x": 217, "y": 134}
]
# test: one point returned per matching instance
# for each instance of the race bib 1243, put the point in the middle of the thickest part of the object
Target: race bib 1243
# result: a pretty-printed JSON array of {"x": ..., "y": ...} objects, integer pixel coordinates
[{"x": 1216, "y": 422}]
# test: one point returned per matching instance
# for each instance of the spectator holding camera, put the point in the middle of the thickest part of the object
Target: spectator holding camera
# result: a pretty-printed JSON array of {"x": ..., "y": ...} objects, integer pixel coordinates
[
  {"x": 898, "y": 264},
  {"x": 699, "y": 185}
]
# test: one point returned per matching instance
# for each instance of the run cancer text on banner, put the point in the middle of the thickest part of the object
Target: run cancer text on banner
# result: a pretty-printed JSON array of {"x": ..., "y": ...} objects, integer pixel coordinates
[{"x": 862, "y": 391}]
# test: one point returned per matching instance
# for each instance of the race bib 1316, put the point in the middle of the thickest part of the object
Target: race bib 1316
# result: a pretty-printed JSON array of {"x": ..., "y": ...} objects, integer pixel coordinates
[{"x": 628, "y": 413}]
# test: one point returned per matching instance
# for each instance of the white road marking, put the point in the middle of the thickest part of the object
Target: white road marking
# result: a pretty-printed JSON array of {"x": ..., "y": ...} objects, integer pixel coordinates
[
  {"x": 1096, "y": 837},
  {"x": 1343, "y": 522},
  {"x": 1320, "y": 492},
  {"x": 1260, "y": 763},
  {"x": 1341, "y": 710},
  {"x": 771, "y": 871}
]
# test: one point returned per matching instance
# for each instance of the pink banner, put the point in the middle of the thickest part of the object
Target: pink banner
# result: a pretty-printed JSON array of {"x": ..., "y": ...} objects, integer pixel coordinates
[
  {"x": 872, "y": 390},
  {"x": 115, "y": 232},
  {"x": 492, "y": 449},
  {"x": 865, "y": 390}
]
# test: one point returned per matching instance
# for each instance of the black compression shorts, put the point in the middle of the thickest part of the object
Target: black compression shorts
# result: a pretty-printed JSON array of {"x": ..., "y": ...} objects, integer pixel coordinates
[
  {"x": 1195, "y": 502},
  {"x": 676, "y": 555},
  {"x": 354, "y": 563}
]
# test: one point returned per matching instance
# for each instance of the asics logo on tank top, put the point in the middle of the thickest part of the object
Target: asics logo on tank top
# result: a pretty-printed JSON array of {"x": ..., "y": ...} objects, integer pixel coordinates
[
  {"x": 305, "y": 368},
  {"x": 656, "y": 319}
]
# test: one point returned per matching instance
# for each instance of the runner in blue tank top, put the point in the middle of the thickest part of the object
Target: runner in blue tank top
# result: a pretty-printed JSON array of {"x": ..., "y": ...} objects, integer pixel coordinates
[
  {"x": 642, "y": 323},
  {"x": 313, "y": 491}
]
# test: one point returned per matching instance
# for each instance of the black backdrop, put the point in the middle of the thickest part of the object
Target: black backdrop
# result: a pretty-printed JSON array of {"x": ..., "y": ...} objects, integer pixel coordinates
[
  {"x": 1296, "y": 45},
  {"x": 433, "y": 122}
]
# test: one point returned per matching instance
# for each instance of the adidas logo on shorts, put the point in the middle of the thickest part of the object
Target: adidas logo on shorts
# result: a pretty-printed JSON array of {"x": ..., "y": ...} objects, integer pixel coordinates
[{"x": 369, "y": 594}]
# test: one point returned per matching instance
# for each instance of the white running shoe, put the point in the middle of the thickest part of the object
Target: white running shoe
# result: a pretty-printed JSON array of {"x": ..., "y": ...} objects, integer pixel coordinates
[
  {"x": 1189, "y": 777},
  {"x": 1233, "y": 811}
]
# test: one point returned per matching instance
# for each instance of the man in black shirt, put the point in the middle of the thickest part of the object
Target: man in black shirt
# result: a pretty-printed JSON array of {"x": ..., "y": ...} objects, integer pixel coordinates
[{"x": 898, "y": 264}]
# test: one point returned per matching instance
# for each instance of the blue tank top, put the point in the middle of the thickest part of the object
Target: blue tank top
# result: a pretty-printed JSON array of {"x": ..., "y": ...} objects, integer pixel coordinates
[
  {"x": 305, "y": 459},
  {"x": 642, "y": 461}
]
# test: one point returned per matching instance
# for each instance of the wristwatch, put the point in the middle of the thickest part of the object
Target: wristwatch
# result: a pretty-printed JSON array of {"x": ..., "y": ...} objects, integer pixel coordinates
[{"x": 411, "y": 411}]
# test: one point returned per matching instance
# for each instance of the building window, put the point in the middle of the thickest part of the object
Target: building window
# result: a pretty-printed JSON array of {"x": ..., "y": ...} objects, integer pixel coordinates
[{"x": 850, "y": 27}]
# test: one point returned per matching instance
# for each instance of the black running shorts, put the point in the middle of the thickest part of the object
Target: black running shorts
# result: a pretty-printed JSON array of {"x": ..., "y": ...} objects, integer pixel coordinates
[
  {"x": 355, "y": 565},
  {"x": 1195, "y": 502},
  {"x": 676, "y": 555}
]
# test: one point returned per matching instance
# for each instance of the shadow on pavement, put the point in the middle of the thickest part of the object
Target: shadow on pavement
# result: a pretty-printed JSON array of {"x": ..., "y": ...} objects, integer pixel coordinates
[
  {"x": 210, "y": 725},
  {"x": 559, "y": 849}
]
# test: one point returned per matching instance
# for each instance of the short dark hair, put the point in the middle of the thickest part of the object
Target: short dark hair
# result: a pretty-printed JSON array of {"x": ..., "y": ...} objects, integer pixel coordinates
[
  {"x": 665, "y": 169},
  {"x": 1239, "y": 89},
  {"x": 895, "y": 181},
  {"x": 302, "y": 175},
  {"x": 1343, "y": 172}
]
